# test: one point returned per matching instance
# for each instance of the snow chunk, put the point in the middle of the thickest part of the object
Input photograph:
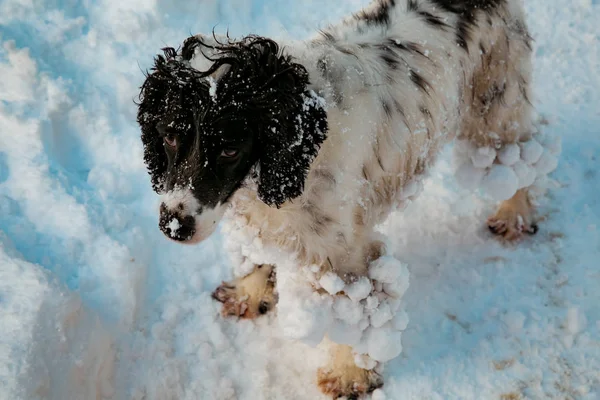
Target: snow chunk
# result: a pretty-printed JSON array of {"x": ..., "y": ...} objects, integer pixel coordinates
[
  {"x": 531, "y": 151},
  {"x": 400, "y": 320},
  {"x": 174, "y": 226},
  {"x": 509, "y": 154},
  {"x": 343, "y": 333},
  {"x": 483, "y": 157},
  {"x": 332, "y": 283},
  {"x": 359, "y": 289},
  {"x": 364, "y": 361},
  {"x": 347, "y": 310},
  {"x": 384, "y": 343},
  {"x": 381, "y": 315},
  {"x": 468, "y": 176},
  {"x": 304, "y": 315},
  {"x": 398, "y": 288},
  {"x": 525, "y": 174},
  {"x": 387, "y": 269},
  {"x": 546, "y": 164},
  {"x": 372, "y": 301},
  {"x": 501, "y": 182},
  {"x": 212, "y": 90}
]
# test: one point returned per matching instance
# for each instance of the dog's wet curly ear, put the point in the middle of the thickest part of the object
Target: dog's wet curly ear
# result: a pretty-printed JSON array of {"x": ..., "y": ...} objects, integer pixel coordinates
[
  {"x": 290, "y": 142},
  {"x": 151, "y": 100}
]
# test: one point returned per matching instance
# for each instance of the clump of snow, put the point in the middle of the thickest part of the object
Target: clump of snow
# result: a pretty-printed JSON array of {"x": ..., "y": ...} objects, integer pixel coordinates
[
  {"x": 347, "y": 310},
  {"x": 383, "y": 343},
  {"x": 174, "y": 226},
  {"x": 364, "y": 361},
  {"x": 546, "y": 163},
  {"x": 509, "y": 154},
  {"x": 531, "y": 151},
  {"x": 483, "y": 157},
  {"x": 360, "y": 289},
  {"x": 212, "y": 88},
  {"x": 331, "y": 282},
  {"x": 468, "y": 176},
  {"x": 501, "y": 182},
  {"x": 525, "y": 174}
]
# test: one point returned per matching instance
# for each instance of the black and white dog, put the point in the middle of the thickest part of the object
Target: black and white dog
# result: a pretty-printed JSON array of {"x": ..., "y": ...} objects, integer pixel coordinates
[{"x": 315, "y": 143}]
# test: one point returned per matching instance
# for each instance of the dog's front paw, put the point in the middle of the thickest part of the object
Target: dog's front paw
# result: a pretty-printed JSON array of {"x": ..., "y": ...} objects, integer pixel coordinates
[
  {"x": 250, "y": 296},
  {"x": 513, "y": 218},
  {"x": 343, "y": 378}
]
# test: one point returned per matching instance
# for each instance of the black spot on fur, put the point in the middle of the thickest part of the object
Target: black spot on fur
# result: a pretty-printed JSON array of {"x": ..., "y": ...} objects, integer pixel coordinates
[
  {"x": 523, "y": 85},
  {"x": 418, "y": 80},
  {"x": 389, "y": 57},
  {"x": 433, "y": 20},
  {"x": 387, "y": 108},
  {"x": 319, "y": 220},
  {"x": 407, "y": 46},
  {"x": 426, "y": 113},
  {"x": 380, "y": 15},
  {"x": 482, "y": 48},
  {"x": 467, "y": 11},
  {"x": 428, "y": 120},
  {"x": 495, "y": 94},
  {"x": 400, "y": 110}
]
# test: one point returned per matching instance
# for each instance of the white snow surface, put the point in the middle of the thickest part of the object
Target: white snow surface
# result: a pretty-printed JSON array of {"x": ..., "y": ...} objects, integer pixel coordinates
[{"x": 95, "y": 303}]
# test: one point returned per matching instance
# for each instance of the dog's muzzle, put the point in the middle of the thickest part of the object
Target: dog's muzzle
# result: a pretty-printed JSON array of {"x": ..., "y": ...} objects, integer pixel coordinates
[{"x": 176, "y": 226}]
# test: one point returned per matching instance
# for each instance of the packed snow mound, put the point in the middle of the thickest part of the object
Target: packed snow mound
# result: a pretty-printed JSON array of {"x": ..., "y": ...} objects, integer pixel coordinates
[{"x": 513, "y": 166}]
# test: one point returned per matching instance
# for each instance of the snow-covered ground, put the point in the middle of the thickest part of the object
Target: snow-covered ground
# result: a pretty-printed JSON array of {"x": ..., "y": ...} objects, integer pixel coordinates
[{"x": 96, "y": 304}]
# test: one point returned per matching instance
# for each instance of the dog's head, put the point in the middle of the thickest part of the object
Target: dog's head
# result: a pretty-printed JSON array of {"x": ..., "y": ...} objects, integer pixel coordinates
[{"x": 249, "y": 115}]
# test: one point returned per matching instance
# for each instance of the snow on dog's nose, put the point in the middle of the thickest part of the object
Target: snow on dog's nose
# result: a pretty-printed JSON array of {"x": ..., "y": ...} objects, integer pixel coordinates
[
  {"x": 183, "y": 219},
  {"x": 176, "y": 226}
]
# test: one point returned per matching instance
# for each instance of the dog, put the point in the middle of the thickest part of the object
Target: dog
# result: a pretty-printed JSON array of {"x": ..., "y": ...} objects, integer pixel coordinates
[{"x": 314, "y": 143}]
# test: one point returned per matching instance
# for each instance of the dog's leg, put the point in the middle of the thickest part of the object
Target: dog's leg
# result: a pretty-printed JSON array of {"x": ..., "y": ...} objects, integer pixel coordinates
[
  {"x": 341, "y": 377},
  {"x": 250, "y": 296},
  {"x": 499, "y": 146}
]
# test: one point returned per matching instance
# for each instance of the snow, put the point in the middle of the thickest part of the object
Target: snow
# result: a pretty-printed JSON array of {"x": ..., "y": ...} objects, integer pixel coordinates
[
  {"x": 96, "y": 303},
  {"x": 483, "y": 157},
  {"x": 509, "y": 154},
  {"x": 332, "y": 283},
  {"x": 531, "y": 151},
  {"x": 360, "y": 289},
  {"x": 501, "y": 182}
]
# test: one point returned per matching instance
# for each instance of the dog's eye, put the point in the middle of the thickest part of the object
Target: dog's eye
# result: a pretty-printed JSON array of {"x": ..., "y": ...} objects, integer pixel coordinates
[
  {"x": 229, "y": 153},
  {"x": 171, "y": 140}
]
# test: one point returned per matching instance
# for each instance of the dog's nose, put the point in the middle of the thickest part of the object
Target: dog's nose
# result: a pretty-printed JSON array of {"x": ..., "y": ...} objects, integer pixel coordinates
[{"x": 176, "y": 226}]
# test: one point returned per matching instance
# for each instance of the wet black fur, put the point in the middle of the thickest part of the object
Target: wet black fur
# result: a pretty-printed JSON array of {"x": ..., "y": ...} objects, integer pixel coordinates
[{"x": 260, "y": 108}]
